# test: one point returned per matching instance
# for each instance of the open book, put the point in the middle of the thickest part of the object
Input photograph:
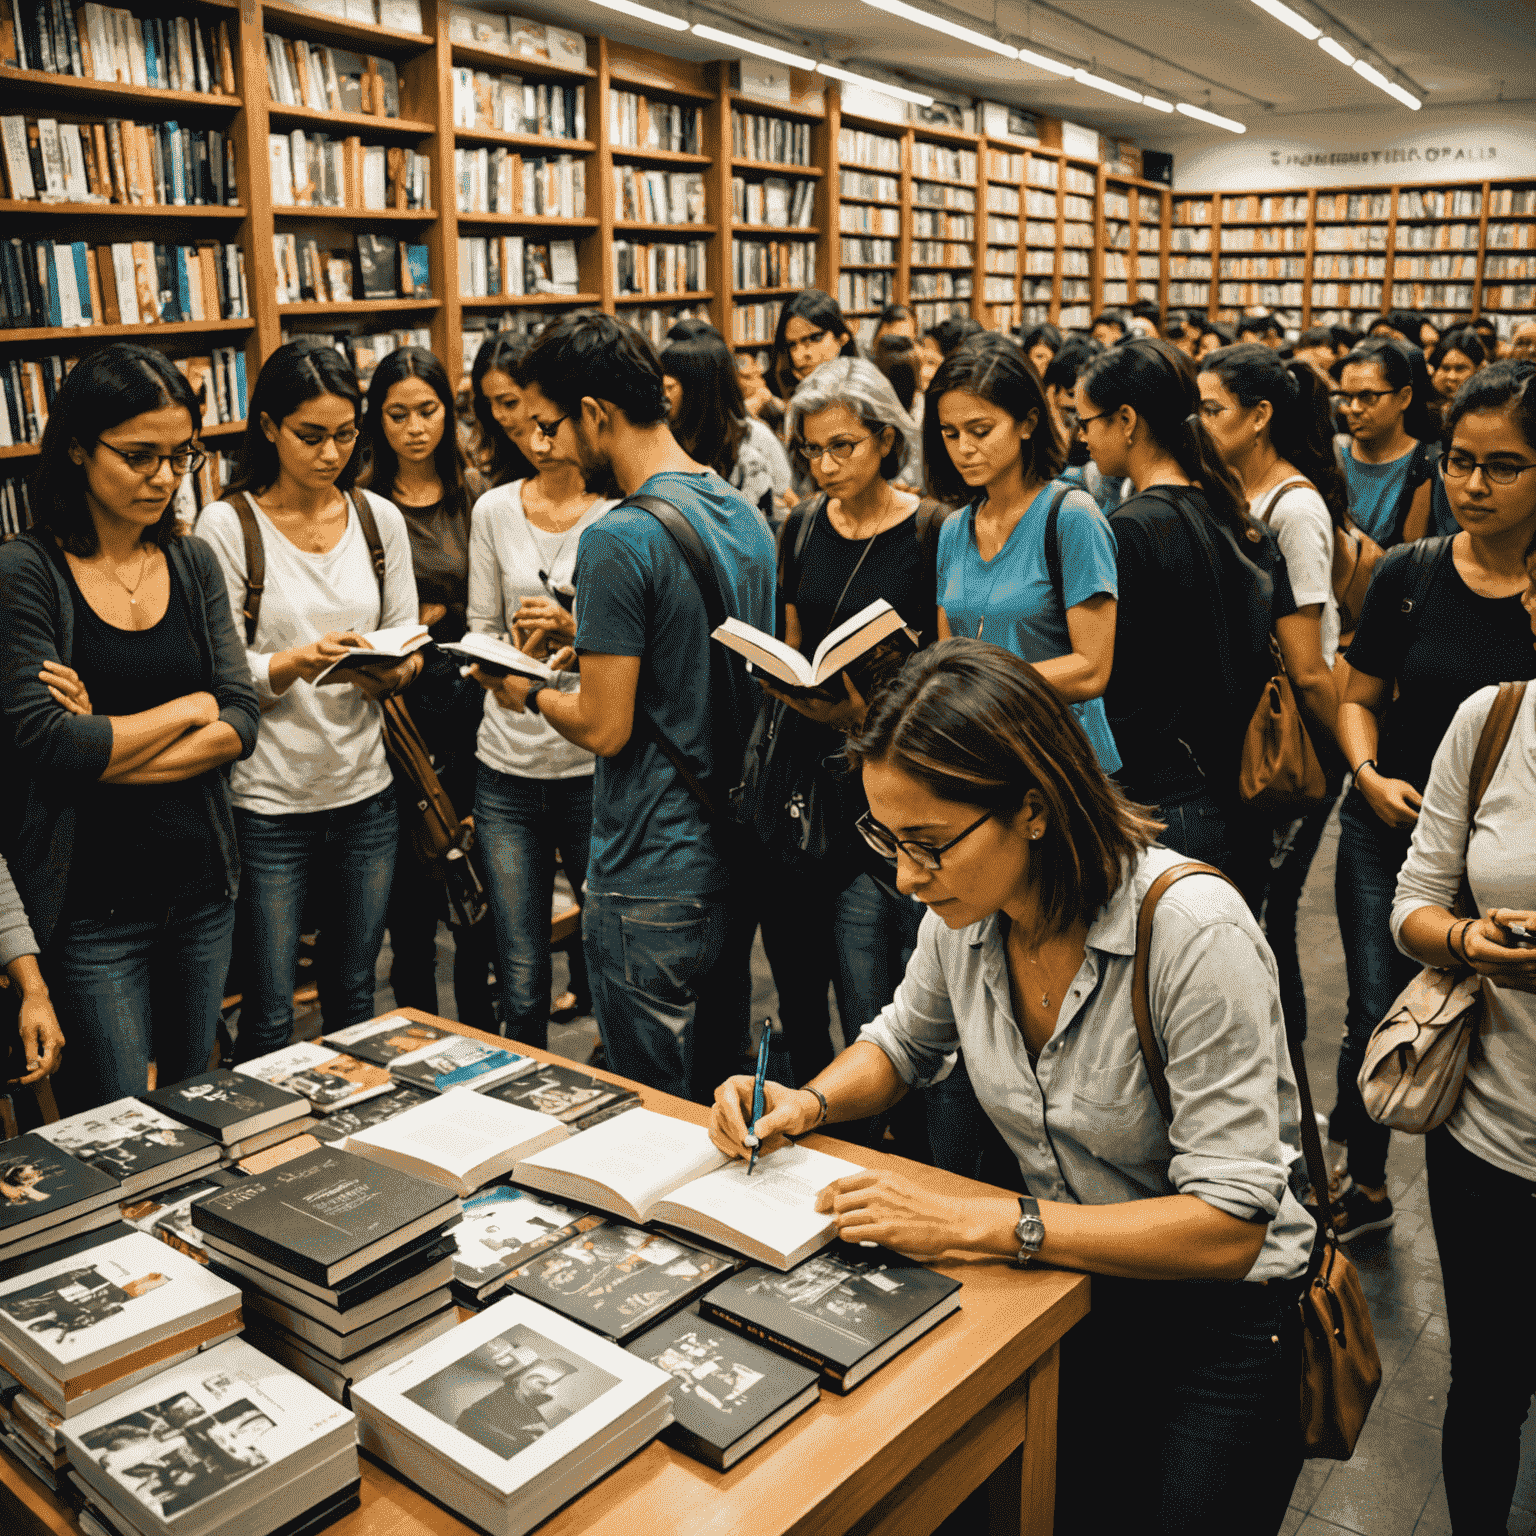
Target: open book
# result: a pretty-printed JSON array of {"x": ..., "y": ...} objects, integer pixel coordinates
[
  {"x": 650, "y": 1167},
  {"x": 386, "y": 647},
  {"x": 868, "y": 628},
  {"x": 497, "y": 658}
]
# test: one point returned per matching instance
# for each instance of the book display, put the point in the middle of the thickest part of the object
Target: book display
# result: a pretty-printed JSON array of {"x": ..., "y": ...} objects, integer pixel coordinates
[
  {"x": 502, "y": 1229},
  {"x": 231, "y": 1107},
  {"x": 144, "y": 1149},
  {"x": 576, "y": 1098},
  {"x": 327, "y": 1078},
  {"x": 47, "y": 1195}
]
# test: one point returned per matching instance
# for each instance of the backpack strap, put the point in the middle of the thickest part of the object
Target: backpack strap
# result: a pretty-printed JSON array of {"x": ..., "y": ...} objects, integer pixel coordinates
[
  {"x": 255, "y": 562},
  {"x": 792, "y": 541},
  {"x": 375, "y": 543},
  {"x": 1491, "y": 743},
  {"x": 1423, "y": 566},
  {"x": 1279, "y": 491},
  {"x": 1053, "y": 546},
  {"x": 927, "y": 525}
]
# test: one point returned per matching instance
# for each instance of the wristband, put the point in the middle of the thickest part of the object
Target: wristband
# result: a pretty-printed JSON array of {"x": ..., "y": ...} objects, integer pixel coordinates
[
  {"x": 1368, "y": 762},
  {"x": 1459, "y": 934},
  {"x": 821, "y": 1099}
]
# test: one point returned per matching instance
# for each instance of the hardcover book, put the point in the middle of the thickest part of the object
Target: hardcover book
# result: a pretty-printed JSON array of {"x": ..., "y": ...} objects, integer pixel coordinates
[
  {"x": 564, "y": 1092},
  {"x": 382, "y": 1040},
  {"x": 868, "y": 630},
  {"x": 42, "y": 1188},
  {"x": 328, "y": 1079},
  {"x": 459, "y": 1063},
  {"x": 341, "y": 1343},
  {"x": 138, "y": 1145},
  {"x": 228, "y": 1106},
  {"x": 296, "y": 1351},
  {"x": 167, "y": 1214},
  {"x": 339, "y": 1124},
  {"x": 378, "y": 262},
  {"x": 503, "y": 1228},
  {"x": 845, "y": 1311},
  {"x": 729, "y": 1394}
]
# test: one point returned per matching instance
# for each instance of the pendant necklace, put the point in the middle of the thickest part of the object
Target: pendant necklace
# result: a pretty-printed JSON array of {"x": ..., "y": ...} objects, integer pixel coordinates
[
  {"x": 995, "y": 561},
  {"x": 133, "y": 601}
]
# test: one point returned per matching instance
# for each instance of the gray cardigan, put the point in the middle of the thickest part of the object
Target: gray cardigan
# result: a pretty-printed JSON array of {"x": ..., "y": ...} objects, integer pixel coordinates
[
  {"x": 56, "y": 754},
  {"x": 15, "y": 931}
]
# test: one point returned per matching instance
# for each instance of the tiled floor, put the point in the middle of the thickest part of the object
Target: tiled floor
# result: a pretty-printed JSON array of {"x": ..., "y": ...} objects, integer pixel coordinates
[{"x": 1392, "y": 1486}]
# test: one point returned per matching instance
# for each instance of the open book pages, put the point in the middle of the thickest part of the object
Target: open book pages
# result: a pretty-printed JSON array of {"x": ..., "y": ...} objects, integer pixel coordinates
[
  {"x": 325, "y": 1077},
  {"x": 497, "y": 657},
  {"x": 842, "y": 646},
  {"x": 385, "y": 647}
]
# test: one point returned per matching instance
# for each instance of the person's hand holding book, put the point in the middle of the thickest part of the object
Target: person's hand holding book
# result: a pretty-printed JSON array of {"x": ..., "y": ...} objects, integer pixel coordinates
[{"x": 847, "y": 713}]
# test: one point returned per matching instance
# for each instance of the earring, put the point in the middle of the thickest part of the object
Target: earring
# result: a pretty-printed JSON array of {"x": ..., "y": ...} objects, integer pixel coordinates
[{"x": 1036, "y": 833}]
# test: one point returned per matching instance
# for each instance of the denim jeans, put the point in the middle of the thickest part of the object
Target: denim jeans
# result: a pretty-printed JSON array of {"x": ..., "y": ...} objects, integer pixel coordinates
[
  {"x": 520, "y": 823},
  {"x": 873, "y": 935},
  {"x": 128, "y": 991},
  {"x": 416, "y": 906},
  {"x": 1485, "y": 1229},
  {"x": 649, "y": 960},
  {"x": 1370, "y": 856},
  {"x": 1197, "y": 828},
  {"x": 343, "y": 862}
]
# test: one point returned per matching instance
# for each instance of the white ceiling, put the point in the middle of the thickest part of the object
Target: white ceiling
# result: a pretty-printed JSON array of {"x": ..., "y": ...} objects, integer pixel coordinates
[{"x": 1225, "y": 54}]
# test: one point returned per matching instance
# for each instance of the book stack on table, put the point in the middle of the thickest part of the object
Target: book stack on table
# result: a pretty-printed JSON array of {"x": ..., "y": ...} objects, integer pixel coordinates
[
  {"x": 241, "y": 1113},
  {"x": 345, "y": 1264}
]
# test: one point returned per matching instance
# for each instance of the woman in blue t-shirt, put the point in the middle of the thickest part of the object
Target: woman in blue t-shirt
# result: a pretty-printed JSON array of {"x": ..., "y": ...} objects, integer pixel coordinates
[{"x": 990, "y": 440}]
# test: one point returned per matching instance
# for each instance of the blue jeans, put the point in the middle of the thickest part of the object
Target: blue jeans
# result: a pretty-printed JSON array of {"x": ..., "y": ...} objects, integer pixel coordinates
[
  {"x": 520, "y": 823},
  {"x": 130, "y": 991},
  {"x": 339, "y": 862},
  {"x": 873, "y": 935},
  {"x": 649, "y": 960},
  {"x": 1365, "y": 878},
  {"x": 1197, "y": 828}
]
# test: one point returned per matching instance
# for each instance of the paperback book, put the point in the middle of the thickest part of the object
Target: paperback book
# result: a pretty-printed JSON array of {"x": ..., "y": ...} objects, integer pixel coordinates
[
  {"x": 335, "y": 1376},
  {"x": 870, "y": 628},
  {"x": 502, "y": 1229},
  {"x": 335, "y": 1127},
  {"x": 326, "y": 1078},
  {"x": 498, "y": 658},
  {"x": 140, "y": 1147},
  {"x": 569, "y": 1095},
  {"x": 385, "y": 648},
  {"x": 341, "y": 1343},
  {"x": 228, "y": 1106},
  {"x": 46, "y": 1194},
  {"x": 459, "y": 1063},
  {"x": 383, "y": 1040}
]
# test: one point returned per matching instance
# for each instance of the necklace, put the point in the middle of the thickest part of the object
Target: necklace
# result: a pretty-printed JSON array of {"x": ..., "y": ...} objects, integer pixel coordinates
[
  {"x": 564, "y": 588},
  {"x": 994, "y": 565},
  {"x": 869, "y": 544},
  {"x": 133, "y": 601}
]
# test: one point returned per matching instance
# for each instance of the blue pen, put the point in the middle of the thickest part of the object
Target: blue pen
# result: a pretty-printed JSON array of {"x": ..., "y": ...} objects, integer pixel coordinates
[{"x": 757, "y": 1089}]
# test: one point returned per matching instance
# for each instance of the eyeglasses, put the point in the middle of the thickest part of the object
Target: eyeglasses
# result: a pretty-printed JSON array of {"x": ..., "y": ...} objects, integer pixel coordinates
[
  {"x": 842, "y": 449},
  {"x": 1459, "y": 466},
  {"x": 548, "y": 433},
  {"x": 1082, "y": 421},
  {"x": 1365, "y": 398},
  {"x": 924, "y": 855},
  {"x": 184, "y": 461},
  {"x": 344, "y": 439}
]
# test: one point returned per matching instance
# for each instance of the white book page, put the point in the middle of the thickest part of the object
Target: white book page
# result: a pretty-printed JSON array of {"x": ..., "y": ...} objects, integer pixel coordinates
[
  {"x": 477, "y": 647},
  {"x": 457, "y": 1131},
  {"x": 865, "y": 630},
  {"x": 761, "y": 649}
]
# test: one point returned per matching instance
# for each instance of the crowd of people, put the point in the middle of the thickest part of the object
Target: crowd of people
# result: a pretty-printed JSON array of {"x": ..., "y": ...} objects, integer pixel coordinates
[{"x": 1103, "y": 545}]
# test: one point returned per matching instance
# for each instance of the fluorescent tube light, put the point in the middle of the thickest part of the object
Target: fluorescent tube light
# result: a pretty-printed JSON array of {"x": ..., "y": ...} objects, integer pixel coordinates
[
  {"x": 1407, "y": 98},
  {"x": 751, "y": 45},
  {"x": 1391, "y": 87},
  {"x": 872, "y": 84},
  {"x": 1295, "y": 21},
  {"x": 1337, "y": 51},
  {"x": 1157, "y": 104},
  {"x": 1039, "y": 60},
  {"x": 644, "y": 13},
  {"x": 939, "y": 24},
  {"x": 1099, "y": 83},
  {"x": 1213, "y": 118}
]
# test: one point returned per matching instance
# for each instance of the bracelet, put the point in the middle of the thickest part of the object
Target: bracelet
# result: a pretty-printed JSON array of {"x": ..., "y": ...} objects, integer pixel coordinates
[
  {"x": 821, "y": 1099},
  {"x": 1459, "y": 931},
  {"x": 1367, "y": 762}
]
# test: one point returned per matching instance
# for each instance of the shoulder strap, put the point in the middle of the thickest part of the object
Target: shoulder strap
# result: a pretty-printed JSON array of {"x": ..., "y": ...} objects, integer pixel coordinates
[
  {"x": 255, "y": 562},
  {"x": 1279, "y": 491},
  {"x": 1340, "y": 441},
  {"x": 927, "y": 524},
  {"x": 1491, "y": 743},
  {"x": 1423, "y": 563},
  {"x": 375, "y": 543},
  {"x": 1053, "y": 545},
  {"x": 797, "y": 531}
]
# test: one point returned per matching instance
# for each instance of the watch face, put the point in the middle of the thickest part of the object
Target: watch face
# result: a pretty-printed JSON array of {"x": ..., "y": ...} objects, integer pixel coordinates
[{"x": 1030, "y": 1232}]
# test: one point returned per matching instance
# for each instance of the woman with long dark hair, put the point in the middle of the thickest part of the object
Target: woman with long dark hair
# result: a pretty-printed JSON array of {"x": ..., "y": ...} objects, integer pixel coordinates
[
  {"x": 989, "y": 802},
  {"x": 125, "y": 696},
  {"x": 495, "y": 399},
  {"x": 315, "y": 803},
  {"x": 811, "y": 331}
]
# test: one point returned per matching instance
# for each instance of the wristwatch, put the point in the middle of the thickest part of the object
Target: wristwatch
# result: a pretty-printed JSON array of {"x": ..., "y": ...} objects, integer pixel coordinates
[
  {"x": 531, "y": 698},
  {"x": 1030, "y": 1231}
]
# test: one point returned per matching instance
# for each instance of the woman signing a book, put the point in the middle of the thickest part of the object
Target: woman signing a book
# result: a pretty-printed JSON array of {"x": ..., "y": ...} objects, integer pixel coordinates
[{"x": 988, "y": 797}]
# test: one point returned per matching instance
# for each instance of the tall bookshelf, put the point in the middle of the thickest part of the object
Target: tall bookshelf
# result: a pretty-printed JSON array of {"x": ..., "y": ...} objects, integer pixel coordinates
[
  {"x": 1043, "y": 226},
  {"x": 873, "y": 190},
  {"x": 1003, "y": 261}
]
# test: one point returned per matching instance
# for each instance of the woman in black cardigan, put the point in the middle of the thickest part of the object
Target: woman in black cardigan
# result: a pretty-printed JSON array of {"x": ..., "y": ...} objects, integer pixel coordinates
[{"x": 125, "y": 695}]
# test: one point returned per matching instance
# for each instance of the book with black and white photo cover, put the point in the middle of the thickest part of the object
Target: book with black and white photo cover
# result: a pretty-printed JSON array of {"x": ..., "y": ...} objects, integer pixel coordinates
[
  {"x": 385, "y": 648},
  {"x": 459, "y": 1063},
  {"x": 845, "y": 1311},
  {"x": 335, "y": 1127},
  {"x": 617, "y": 1279},
  {"x": 45, "y": 1190},
  {"x": 461, "y": 1139},
  {"x": 568, "y": 1094},
  {"x": 385, "y": 1040},
  {"x": 97, "y": 1518},
  {"x": 86, "y": 1326},
  {"x": 326, "y": 1215},
  {"x": 498, "y": 658},
  {"x": 729, "y": 1394},
  {"x": 228, "y": 1106},
  {"x": 854, "y": 638},
  {"x": 140, "y": 1147},
  {"x": 329, "y": 1079},
  {"x": 652, "y": 1167},
  {"x": 226, "y": 1441},
  {"x": 236, "y": 1152},
  {"x": 512, "y": 1414},
  {"x": 378, "y": 262},
  {"x": 167, "y": 1214},
  {"x": 503, "y": 1228}
]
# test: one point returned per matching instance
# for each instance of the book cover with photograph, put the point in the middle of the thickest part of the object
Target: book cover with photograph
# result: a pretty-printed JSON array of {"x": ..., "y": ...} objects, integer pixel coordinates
[
  {"x": 133, "y": 1142},
  {"x": 228, "y": 1106},
  {"x": 564, "y": 1092},
  {"x": 352, "y": 1118},
  {"x": 167, "y": 1214},
  {"x": 329, "y": 1079},
  {"x": 382, "y": 1040},
  {"x": 503, "y": 1228},
  {"x": 42, "y": 1187},
  {"x": 459, "y": 1063}
]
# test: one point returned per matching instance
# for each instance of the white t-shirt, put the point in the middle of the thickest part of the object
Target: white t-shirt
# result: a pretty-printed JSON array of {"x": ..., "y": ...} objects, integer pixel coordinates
[
  {"x": 1305, "y": 530},
  {"x": 506, "y": 554},
  {"x": 319, "y": 748}
]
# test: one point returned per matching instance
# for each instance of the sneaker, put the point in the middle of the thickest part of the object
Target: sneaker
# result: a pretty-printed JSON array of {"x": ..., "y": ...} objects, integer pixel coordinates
[{"x": 1357, "y": 1213}]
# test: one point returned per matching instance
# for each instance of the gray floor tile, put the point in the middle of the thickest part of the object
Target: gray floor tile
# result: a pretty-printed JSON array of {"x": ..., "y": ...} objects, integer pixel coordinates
[
  {"x": 1417, "y": 1389},
  {"x": 1435, "y": 1520},
  {"x": 1381, "y": 1490},
  {"x": 1313, "y": 1475},
  {"x": 1397, "y": 1333},
  {"x": 1312, "y": 1526}
]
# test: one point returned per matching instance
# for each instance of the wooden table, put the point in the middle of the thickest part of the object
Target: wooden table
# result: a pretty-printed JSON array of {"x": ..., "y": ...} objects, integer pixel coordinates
[{"x": 972, "y": 1402}]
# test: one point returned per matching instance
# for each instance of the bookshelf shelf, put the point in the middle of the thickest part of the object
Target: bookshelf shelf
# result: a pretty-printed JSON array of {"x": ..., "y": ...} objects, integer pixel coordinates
[
  {"x": 62, "y": 334},
  {"x": 111, "y": 93},
  {"x": 541, "y": 220},
  {"x": 355, "y": 215},
  {"x": 775, "y": 168},
  {"x": 26, "y": 206},
  {"x": 531, "y": 300},
  {"x": 290, "y": 21},
  {"x": 805, "y": 113},
  {"x": 797, "y": 232},
  {"x": 630, "y": 78},
  {"x": 363, "y": 124},
  {"x": 657, "y": 156},
  {"x": 517, "y": 64},
  {"x": 357, "y": 307},
  {"x": 635, "y": 226},
  {"x": 764, "y": 293},
  {"x": 698, "y": 297},
  {"x": 549, "y": 145}
]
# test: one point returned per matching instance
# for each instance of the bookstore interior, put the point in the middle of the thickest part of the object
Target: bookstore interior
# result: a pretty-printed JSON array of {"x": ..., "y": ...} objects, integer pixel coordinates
[{"x": 404, "y": 1278}]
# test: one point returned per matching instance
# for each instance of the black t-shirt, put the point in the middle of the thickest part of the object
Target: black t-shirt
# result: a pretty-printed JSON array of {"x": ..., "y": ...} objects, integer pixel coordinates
[
  {"x": 1449, "y": 645},
  {"x": 139, "y": 846},
  {"x": 440, "y": 560}
]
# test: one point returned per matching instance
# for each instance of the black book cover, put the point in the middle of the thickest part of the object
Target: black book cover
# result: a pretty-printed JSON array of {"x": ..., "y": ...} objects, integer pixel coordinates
[
  {"x": 126, "y": 1137},
  {"x": 383, "y": 1047},
  {"x": 403, "y": 1265},
  {"x": 378, "y": 258},
  {"x": 349, "y": 78},
  {"x": 616, "y": 1279},
  {"x": 564, "y": 1092},
  {"x": 728, "y": 1394},
  {"x": 221, "y": 1103},
  {"x": 313, "y": 1215},
  {"x": 165, "y": 277},
  {"x": 341, "y": 1123},
  {"x": 504, "y": 1228},
  {"x": 37, "y": 300},
  {"x": 833, "y": 1309},
  {"x": 15, "y": 297},
  {"x": 40, "y": 1186},
  {"x": 66, "y": 1248}
]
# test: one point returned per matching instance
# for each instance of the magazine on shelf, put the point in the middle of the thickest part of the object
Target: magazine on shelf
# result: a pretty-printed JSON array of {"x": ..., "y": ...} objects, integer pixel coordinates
[
  {"x": 385, "y": 648},
  {"x": 329, "y": 1079},
  {"x": 135, "y": 1143},
  {"x": 386, "y": 1040},
  {"x": 229, "y": 1106},
  {"x": 44, "y": 1189},
  {"x": 504, "y": 1228},
  {"x": 459, "y": 1062},
  {"x": 497, "y": 658},
  {"x": 854, "y": 638}
]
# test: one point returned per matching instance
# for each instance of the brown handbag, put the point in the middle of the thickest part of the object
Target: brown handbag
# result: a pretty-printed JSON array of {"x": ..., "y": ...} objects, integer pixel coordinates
[
  {"x": 1416, "y": 1060},
  {"x": 1341, "y": 1370}
]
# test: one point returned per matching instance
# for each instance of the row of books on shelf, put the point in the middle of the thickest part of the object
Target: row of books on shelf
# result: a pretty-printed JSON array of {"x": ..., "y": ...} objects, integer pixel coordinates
[
  {"x": 314, "y": 170},
  {"x": 879, "y": 189},
  {"x": 1247, "y": 295},
  {"x": 508, "y": 265},
  {"x": 1043, "y": 173},
  {"x": 855, "y": 252},
  {"x": 503, "y": 181},
  {"x": 1036, "y": 263},
  {"x": 515, "y": 36},
  {"x": 997, "y": 290},
  {"x": 1352, "y": 205},
  {"x": 1003, "y": 200},
  {"x": 944, "y": 226},
  {"x": 773, "y": 264},
  {"x": 1282, "y": 237},
  {"x": 401, "y": 15},
  {"x": 1512, "y": 237},
  {"x": 15, "y": 518},
  {"x": 658, "y": 197},
  {"x": 1040, "y": 235},
  {"x": 930, "y": 315},
  {"x": 1439, "y": 237},
  {"x": 1350, "y": 237},
  {"x": 366, "y": 350},
  {"x": 1455, "y": 202},
  {"x": 1073, "y": 207},
  {"x": 1117, "y": 205},
  {"x": 868, "y": 218},
  {"x": 864, "y": 290},
  {"x": 103, "y": 42},
  {"x": 782, "y": 140},
  {"x": 1446, "y": 266},
  {"x": 1269, "y": 207},
  {"x": 939, "y": 160},
  {"x": 637, "y": 122},
  {"x": 1454, "y": 296},
  {"x": 672, "y": 266},
  {"x": 510, "y": 104},
  {"x": 1518, "y": 296},
  {"x": 874, "y": 151},
  {"x": 1073, "y": 264},
  {"x": 1193, "y": 238},
  {"x": 117, "y": 161},
  {"x": 1493, "y": 266},
  {"x": 1006, "y": 166},
  {"x": 1040, "y": 205},
  {"x": 1278, "y": 267},
  {"x": 1082, "y": 183},
  {"x": 653, "y": 321},
  {"x": 1347, "y": 295},
  {"x": 1078, "y": 235},
  {"x": 940, "y": 285},
  {"x": 1149, "y": 238},
  {"x": 381, "y": 267},
  {"x": 755, "y": 322},
  {"x": 1182, "y": 293},
  {"x": 940, "y": 194},
  {"x": 776, "y": 202},
  {"x": 301, "y": 74}
]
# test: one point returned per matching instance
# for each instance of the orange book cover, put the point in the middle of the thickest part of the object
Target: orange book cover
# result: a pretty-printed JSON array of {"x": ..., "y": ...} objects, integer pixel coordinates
[
  {"x": 110, "y": 313},
  {"x": 283, "y": 1152},
  {"x": 226, "y": 85},
  {"x": 207, "y": 257},
  {"x": 146, "y": 281},
  {"x": 98, "y": 314}
]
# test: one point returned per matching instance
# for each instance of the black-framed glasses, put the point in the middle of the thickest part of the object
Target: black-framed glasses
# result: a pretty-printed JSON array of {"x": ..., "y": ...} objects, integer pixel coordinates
[
  {"x": 1459, "y": 466},
  {"x": 1366, "y": 399},
  {"x": 548, "y": 433},
  {"x": 841, "y": 449},
  {"x": 345, "y": 439},
  {"x": 924, "y": 855},
  {"x": 183, "y": 461},
  {"x": 1082, "y": 421}
]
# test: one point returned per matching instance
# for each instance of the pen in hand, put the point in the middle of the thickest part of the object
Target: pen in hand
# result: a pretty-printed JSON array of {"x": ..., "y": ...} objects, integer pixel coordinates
[{"x": 758, "y": 1080}]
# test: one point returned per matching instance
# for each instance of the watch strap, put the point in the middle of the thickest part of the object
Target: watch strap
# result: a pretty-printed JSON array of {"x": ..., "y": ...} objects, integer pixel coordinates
[{"x": 530, "y": 699}]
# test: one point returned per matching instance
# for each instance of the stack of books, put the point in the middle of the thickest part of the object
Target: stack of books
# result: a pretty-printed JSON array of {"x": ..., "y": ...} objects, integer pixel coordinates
[
  {"x": 345, "y": 1263},
  {"x": 570, "y": 1095},
  {"x": 241, "y": 1113},
  {"x": 329, "y": 1079},
  {"x": 142, "y": 1148},
  {"x": 457, "y": 1062},
  {"x": 503, "y": 1228},
  {"x": 46, "y": 1195}
]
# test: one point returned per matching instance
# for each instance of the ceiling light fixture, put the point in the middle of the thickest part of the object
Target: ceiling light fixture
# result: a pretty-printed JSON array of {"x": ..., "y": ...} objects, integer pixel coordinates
[
  {"x": 871, "y": 83},
  {"x": 1215, "y": 119},
  {"x": 1294, "y": 20},
  {"x": 644, "y": 13},
  {"x": 1157, "y": 104},
  {"x": 1039, "y": 60},
  {"x": 1337, "y": 51},
  {"x": 751, "y": 45},
  {"x": 1380, "y": 81},
  {"x": 939, "y": 24},
  {"x": 1099, "y": 83}
]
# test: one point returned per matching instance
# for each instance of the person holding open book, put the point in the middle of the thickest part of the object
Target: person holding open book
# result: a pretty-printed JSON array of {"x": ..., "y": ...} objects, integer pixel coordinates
[{"x": 989, "y": 799}]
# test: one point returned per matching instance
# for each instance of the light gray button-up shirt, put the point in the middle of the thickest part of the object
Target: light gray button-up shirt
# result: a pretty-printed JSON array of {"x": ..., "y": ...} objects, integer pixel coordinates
[{"x": 1085, "y": 1125}]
